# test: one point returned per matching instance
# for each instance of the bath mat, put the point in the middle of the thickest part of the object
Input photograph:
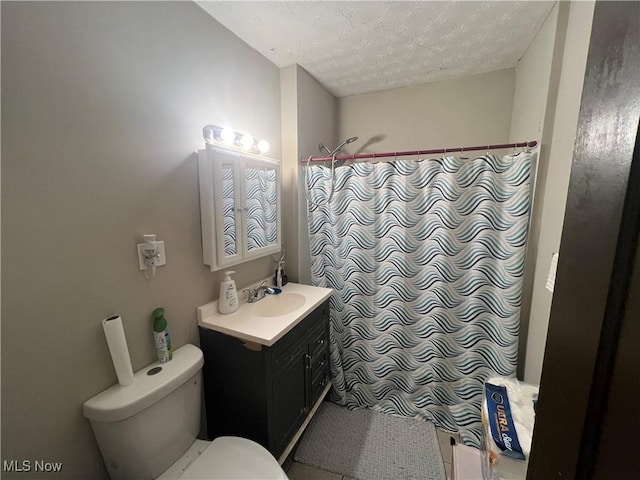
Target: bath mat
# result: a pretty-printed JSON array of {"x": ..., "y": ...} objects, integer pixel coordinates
[{"x": 368, "y": 445}]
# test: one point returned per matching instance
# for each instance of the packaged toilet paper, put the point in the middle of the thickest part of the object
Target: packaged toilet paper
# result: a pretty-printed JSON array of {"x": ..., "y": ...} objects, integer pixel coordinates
[{"x": 508, "y": 418}]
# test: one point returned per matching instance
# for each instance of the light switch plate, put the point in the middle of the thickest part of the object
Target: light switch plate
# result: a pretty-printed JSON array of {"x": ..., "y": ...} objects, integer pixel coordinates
[
  {"x": 551, "y": 279},
  {"x": 161, "y": 261}
]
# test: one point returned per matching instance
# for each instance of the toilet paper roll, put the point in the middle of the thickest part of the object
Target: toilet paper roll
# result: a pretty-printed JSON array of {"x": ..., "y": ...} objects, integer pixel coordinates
[{"x": 117, "y": 343}]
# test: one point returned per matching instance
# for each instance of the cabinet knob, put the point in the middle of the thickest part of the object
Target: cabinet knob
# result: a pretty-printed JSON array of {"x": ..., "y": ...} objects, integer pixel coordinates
[
  {"x": 321, "y": 363},
  {"x": 321, "y": 342}
]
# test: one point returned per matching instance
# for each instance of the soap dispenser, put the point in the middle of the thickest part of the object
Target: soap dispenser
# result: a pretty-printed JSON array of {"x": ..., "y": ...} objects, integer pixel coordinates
[{"x": 228, "y": 300}]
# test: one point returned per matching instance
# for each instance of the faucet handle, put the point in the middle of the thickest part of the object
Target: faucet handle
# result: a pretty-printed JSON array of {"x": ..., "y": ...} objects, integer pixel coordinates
[
  {"x": 251, "y": 294},
  {"x": 264, "y": 288},
  {"x": 255, "y": 294}
]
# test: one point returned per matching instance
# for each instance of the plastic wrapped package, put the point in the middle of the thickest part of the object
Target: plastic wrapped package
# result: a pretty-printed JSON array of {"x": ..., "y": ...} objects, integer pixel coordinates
[{"x": 508, "y": 417}]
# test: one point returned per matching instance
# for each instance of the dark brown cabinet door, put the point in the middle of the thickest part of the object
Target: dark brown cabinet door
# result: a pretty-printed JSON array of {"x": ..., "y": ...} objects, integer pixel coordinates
[{"x": 289, "y": 399}]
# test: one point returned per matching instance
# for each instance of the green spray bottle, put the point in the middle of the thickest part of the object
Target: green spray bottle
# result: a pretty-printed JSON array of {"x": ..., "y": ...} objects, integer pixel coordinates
[{"x": 161, "y": 336}]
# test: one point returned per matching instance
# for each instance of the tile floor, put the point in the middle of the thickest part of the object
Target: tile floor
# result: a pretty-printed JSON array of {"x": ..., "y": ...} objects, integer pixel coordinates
[{"x": 300, "y": 471}]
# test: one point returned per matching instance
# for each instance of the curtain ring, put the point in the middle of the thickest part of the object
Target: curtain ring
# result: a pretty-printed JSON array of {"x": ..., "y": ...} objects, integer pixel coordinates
[{"x": 309, "y": 160}]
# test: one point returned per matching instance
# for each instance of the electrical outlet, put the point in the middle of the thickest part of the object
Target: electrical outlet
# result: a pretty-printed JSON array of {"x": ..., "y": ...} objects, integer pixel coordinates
[{"x": 162, "y": 258}]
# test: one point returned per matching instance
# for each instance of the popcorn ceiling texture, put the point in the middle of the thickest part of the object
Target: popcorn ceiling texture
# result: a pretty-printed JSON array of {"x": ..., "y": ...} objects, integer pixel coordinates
[{"x": 359, "y": 47}]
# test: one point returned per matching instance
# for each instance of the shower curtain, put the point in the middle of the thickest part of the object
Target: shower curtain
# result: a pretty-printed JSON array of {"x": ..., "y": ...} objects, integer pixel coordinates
[{"x": 426, "y": 258}]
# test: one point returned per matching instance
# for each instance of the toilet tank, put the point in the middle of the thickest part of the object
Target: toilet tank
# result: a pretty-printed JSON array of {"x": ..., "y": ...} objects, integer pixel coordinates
[{"x": 145, "y": 427}]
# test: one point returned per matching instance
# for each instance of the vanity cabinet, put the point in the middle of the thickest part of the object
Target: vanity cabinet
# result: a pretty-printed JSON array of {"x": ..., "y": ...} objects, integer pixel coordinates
[
  {"x": 265, "y": 393},
  {"x": 239, "y": 206}
]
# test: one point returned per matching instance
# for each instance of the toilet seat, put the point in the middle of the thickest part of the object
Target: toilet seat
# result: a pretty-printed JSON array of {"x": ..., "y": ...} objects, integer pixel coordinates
[{"x": 234, "y": 458}]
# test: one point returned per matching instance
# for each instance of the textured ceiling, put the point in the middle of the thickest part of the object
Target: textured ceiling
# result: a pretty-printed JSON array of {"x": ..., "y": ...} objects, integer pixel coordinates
[{"x": 358, "y": 47}]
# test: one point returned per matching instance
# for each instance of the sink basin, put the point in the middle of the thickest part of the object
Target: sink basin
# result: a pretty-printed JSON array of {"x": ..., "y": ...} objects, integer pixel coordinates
[{"x": 276, "y": 305}]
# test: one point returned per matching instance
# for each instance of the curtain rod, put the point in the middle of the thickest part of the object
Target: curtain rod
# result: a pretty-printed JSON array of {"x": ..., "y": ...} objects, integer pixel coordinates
[{"x": 359, "y": 156}]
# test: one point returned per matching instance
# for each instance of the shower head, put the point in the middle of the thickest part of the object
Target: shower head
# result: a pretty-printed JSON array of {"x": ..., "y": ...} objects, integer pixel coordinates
[
  {"x": 333, "y": 154},
  {"x": 339, "y": 147}
]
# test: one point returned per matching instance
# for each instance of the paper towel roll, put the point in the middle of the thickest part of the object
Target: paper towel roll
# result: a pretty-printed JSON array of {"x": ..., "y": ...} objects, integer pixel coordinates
[{"x": 118, "y": 348}]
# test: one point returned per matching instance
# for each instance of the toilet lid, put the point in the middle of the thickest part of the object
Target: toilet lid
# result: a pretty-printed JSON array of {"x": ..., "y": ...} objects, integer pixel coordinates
[{"x": 234, "y": 458}]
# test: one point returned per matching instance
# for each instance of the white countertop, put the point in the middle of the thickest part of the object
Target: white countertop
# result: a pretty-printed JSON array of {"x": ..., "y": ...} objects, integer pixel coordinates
[{"x": 244, "y": 324}]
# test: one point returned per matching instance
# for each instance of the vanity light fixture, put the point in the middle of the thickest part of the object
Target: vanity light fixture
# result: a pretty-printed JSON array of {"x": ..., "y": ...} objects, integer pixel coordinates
[
  {"x": 247, "y": 142},
  {"x": 227, "y": 136},
  {"x": 263, "y": 146},
  {"x": 214, "y": 134}
]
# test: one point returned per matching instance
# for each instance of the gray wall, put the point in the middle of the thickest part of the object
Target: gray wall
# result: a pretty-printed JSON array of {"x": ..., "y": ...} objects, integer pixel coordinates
[
  {"x": 317, "y": 123},
  {"x": 532, "y": 119},
  {"x": 289, "y": 167},
  {"x": 553, "y": 199},
  {"x": 533, "y": 74},
  {"x": 309, "y": 117},
  {"x": 549, "y": 81},
  {"x": 467, "y": 111},
  {"x": 103, "y": 105}
]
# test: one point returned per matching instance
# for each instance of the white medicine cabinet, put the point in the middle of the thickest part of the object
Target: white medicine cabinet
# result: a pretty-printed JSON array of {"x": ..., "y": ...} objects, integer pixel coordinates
[{"x": 239, "y": 206}]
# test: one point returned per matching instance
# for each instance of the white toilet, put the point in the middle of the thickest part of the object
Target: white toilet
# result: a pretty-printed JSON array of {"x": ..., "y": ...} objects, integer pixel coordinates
[{"x": 148, "y": 429}]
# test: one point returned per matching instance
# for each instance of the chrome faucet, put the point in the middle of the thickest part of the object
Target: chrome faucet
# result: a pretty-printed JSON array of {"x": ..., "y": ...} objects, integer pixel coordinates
[{"x": 255, "y": 294}]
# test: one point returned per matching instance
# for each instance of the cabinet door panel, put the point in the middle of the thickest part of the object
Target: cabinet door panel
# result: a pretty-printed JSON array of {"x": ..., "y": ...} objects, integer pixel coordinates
[
  {"x": 289, "y": 401},
  {"x": 261, "y": 182},
  {"x": 227, "y": 209}
]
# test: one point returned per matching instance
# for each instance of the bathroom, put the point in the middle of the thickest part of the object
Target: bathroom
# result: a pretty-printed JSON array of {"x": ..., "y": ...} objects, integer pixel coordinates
[{"x": 103, "y": 106}]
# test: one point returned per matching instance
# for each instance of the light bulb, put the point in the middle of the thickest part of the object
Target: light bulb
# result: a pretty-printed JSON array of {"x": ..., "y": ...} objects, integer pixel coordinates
[
  {"x": 209, "y": 134},
  {"x": 263, "y": 146},
  {"x": 246, "y": 142},
  {"x": 228, "y": 136}
]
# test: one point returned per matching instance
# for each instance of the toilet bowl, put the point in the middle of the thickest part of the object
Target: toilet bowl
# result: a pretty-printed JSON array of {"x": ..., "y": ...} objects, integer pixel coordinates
[
  {"x": 148, "y": 429},
  {"x": 225, "y": 458}
]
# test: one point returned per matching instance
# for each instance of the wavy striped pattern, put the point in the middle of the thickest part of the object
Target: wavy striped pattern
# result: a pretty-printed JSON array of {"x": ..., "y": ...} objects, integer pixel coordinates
[
  {"x": 228, "y": 211},
  {"x": 427, "y": 259},
  {"x": 262, "y": 213}
]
